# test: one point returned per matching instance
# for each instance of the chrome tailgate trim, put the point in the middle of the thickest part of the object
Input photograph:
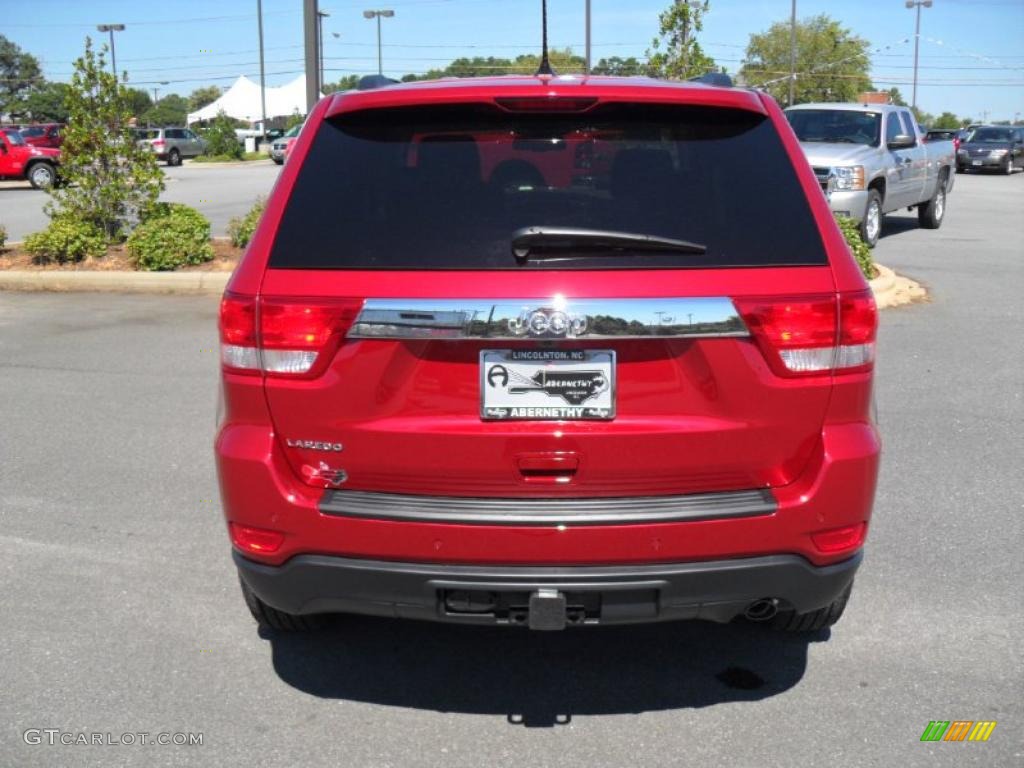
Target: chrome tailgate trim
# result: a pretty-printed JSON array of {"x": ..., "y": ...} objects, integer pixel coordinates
[{"x": 530, "y": 511}]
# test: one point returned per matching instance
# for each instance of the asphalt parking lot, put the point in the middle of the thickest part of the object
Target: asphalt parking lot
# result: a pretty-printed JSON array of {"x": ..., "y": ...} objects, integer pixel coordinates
[
  {"x": 122, "y": 613},
  {"x": 220, "y": 192}
]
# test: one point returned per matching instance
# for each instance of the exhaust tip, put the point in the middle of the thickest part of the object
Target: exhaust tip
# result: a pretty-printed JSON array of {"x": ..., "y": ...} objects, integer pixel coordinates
[{"x": 762, "y": 610}]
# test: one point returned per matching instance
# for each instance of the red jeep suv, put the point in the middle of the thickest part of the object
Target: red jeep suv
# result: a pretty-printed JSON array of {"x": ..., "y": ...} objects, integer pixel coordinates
[{"x": 547, "y": 351}]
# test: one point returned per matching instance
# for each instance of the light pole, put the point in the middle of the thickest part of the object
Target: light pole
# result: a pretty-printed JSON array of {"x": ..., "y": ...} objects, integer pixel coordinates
[
  {"x": 263, "y": 73},
  {"x": 792, "y": 53},
  {"x": 320, "y": 16},
  {"x": 378, "y": 15},
  {"x": 587, "y": 17},
  {"x": 111, "y": 28},
  {"x": 917, "y": 40}
]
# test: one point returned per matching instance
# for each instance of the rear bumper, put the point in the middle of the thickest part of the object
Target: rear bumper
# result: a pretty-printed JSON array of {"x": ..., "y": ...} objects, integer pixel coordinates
[{"x": 716, "y": 590}]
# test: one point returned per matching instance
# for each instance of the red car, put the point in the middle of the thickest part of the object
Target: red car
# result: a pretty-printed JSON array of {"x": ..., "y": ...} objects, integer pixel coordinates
[
  {"x": 547, "y": 402},
  {"x": 44, "y": 135},
  {"x": 20, "y": 160}
]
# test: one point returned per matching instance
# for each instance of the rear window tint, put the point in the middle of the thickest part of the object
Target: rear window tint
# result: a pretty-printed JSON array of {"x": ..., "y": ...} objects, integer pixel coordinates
[{"x": 445, "y": 188}]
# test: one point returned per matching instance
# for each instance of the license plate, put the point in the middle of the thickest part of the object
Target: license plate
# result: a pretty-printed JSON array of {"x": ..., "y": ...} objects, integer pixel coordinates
[
  {"x": 547, "y": 384},
  {"x": 976, "y": 162}
]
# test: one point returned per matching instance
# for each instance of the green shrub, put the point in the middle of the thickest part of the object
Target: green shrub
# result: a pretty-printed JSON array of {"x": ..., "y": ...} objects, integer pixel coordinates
[
  {"x": 172, "y": 236},
  {"x": 229, "y": 158},
  {"x": 221, "y": 139},
  {"x": 240, "y": 230},
  {"x": 3, "y": 236},
  {"x": 860, "y": 250},
  {"x": 66, "y": 239}
]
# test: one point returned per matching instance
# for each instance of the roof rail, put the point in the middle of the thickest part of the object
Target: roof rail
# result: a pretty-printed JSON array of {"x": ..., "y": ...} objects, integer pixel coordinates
[
  {"x": 713, "y": 78},
  {"x": 370, "y": 82}
]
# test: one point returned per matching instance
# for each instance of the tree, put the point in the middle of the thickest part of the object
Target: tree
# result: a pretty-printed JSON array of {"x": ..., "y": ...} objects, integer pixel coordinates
[
  {"x": 563, "y": 61},
  {"x": 19, "y": 71},
  {"x": 946, "y": 120},
  {"x": 619, "y": 66},
  {"x": 138, "y": 101},
  {"x": 172, "y": 109},
  {"x": 831, "y": 62},
  {"x": 45, "y": 103},
  {"x": 221, "y": 139},
  {"x": 895, "y": 97},
  {"x": 347, "y": 83},
  {"x": 200, "y": 97},
  {"x": 924, "y": 119},
  {"x": 112, "y": 182},
  {"x": 682, "y": 56}
]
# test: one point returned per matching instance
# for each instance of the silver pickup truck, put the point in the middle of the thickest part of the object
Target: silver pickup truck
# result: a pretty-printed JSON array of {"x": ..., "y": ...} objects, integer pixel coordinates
[{"x": 872, "y": 159}]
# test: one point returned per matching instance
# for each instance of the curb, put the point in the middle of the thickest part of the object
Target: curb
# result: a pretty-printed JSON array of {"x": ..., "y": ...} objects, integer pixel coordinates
[
  {"x": 892, "y": 290},
  {"x": 196, "y": 283}
]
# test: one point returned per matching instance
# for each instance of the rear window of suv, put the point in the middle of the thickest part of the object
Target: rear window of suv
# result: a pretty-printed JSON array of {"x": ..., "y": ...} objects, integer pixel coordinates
[{"x": 446, "y": 188}]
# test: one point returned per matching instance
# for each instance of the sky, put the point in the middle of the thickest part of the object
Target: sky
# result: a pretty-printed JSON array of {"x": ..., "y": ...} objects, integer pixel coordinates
[{"x": 971, "y": 52}]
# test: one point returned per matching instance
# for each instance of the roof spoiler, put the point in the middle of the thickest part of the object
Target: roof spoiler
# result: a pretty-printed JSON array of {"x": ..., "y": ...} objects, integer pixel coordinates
[
  {"x": 371, "y": 82},
  {"x": 713, "y": 78}
]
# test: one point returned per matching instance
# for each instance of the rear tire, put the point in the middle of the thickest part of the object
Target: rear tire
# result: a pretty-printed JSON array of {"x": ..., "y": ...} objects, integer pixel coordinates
[
  {"x": 271, "y": 618},
  {"x": 813, "y": 621},
  {"x": 174, "y": 157},
  {"x": 930, "y": 214},
  {"x": 42, "y": 175},
  {"x": 871, "y": 224}
]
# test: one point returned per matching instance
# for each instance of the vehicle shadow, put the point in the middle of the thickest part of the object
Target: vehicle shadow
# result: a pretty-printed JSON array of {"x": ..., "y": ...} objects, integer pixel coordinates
[
  {"x": 898, "y": 223},
  {"x": 541, "y": 679}
]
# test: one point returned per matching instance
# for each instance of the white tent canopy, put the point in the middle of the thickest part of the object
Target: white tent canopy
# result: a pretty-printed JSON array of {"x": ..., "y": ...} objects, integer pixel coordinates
[{"x": 242, "y": 101}]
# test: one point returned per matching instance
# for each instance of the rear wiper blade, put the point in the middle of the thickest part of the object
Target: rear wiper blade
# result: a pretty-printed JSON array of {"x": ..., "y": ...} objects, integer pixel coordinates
[{"x": 535, "y": 241}]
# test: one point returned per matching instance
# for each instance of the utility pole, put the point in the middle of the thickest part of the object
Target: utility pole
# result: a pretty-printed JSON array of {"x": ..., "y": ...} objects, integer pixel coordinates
[
  {"x": 263, "y": 73},
  {"x": 917, "y": 41},
  {"x": 111, "y": 28},
  {"x": 309, "y": 16},
  {"x": 588, "y": 36},
  {"x": 320, "y": 15},
  {"x": 792, "y": 53}
]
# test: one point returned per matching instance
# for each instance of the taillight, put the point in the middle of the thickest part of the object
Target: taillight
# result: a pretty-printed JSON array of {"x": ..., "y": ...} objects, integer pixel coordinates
[
  {"x": 848, "y": 537},
  {"x": 283, "y": 337},
  {"x": 257, "y": 540},
  {"x": 238, "y": 350},
  {"x": 812, "y": 335},
  {"x": 158, "y": 143}
]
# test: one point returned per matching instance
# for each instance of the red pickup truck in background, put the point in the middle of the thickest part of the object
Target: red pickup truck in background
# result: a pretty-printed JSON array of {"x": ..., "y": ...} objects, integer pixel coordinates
[{"x": 20, "y": 160}]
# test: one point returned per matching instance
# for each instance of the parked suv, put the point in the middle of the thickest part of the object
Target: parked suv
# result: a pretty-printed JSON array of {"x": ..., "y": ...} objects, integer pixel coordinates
[
  {"x": 279, "y": 147},
  {"x": 472, "y": 389},
  {"x": 171, "y": 144}
]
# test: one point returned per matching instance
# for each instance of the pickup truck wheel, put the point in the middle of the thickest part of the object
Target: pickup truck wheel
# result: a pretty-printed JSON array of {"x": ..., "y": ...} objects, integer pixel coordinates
[
  {"x": 929, "y": 215},
  {"x": 42, "y": 175},
  {"x": 871, "y": 224},
  {"x": 271, "y": 618},
  {"x": 812, "y": 621},
  {"x": 174, "y": 157}
]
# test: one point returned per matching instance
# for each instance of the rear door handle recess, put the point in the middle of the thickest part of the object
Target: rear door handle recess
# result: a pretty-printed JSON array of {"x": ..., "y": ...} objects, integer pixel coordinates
[{"x": 555, "y": 467}]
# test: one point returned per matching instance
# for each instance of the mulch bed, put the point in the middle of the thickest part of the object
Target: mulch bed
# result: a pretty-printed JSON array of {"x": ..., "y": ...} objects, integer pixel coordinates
[{"x": 225, "y": 258}]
